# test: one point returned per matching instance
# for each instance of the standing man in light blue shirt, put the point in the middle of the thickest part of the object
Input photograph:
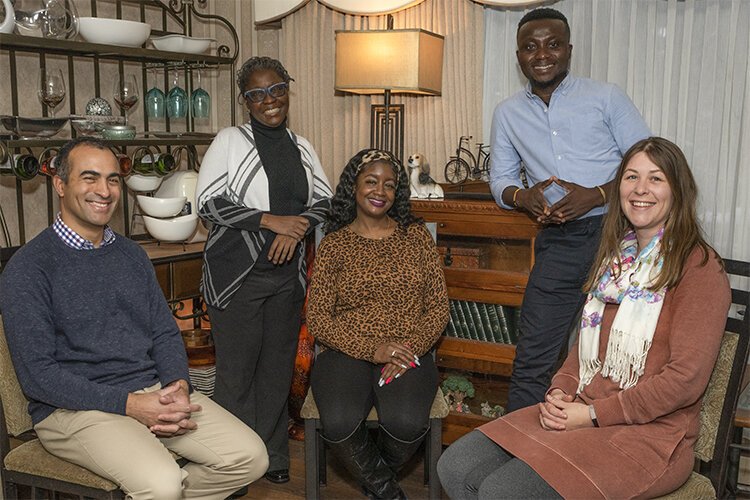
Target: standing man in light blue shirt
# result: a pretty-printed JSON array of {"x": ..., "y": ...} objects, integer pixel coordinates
[{"x": 570, "y": 134}]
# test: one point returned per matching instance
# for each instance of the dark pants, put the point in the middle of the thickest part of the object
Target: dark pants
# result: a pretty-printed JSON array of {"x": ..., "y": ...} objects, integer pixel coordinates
[
  {"x": 256, "y": 344},
  {"x": 346, "y": 388},
  {"x": 563, "y": 256},
  {"x": 475, "y": 467}
]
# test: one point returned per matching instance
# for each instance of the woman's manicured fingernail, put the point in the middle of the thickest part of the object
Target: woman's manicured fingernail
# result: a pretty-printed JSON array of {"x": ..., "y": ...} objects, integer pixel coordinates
[
  {"x": 382, "y": 369},
  {"x": 416, "y": 360},
  {"x": 398, "y": 375},
  {"x": 413, "y": 365},
  {"x": 381, "y": 382},
  {"x": 403, "y": 366},
  {"x": 389, "y": 380}
]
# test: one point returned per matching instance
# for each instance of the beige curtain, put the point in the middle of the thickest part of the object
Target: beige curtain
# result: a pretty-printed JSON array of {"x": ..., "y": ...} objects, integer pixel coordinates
[{"x": 338, "y": 124}]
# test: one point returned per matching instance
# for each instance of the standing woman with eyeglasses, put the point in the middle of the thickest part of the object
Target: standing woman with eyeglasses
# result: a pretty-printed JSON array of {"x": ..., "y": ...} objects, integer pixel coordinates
[{"x": 262, "y": 189}]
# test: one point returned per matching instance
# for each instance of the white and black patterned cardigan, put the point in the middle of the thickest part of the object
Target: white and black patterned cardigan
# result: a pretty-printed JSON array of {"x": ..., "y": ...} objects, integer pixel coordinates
[{"x": 233, "y": 195}]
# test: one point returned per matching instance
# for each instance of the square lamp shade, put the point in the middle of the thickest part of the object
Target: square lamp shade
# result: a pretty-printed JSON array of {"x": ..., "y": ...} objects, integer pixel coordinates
[{"x": 401, "y": 61}]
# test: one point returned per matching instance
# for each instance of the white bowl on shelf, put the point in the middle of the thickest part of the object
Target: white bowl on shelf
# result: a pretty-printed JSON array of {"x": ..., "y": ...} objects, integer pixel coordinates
[
  {"x": 113, "y": 31},
  {"x": 143, "y": 183},
  {"x": 182, "y": 44},
  {"x": 161, "y": 207},
  {"x": 172, "y": 229},
  {"x": 184, "y": 183}
]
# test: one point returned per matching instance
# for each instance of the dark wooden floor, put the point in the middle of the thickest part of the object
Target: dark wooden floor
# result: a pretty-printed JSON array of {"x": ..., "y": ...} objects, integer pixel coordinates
[{"x": 339, "y": 485}]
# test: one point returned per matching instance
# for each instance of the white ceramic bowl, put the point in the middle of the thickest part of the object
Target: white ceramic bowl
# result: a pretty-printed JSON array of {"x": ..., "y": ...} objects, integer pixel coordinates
[
  {"x": 161, "y": 207},
  {"x": 114, "y": 31},
  {"x": 143, "y": 183},
  {"x": 181, "y": 43},
  {"x": 174, "y": 229}
]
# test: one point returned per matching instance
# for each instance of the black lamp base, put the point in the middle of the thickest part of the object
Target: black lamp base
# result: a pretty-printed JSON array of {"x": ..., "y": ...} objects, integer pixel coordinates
[{"x": 394, "y": 141}]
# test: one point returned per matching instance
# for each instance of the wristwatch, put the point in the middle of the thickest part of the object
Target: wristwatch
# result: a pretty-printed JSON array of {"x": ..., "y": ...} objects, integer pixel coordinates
[{"x": 592, "y": 414}]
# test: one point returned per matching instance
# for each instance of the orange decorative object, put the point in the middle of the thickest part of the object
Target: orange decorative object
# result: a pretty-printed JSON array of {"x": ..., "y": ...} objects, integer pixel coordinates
[{"x": 304, "y": 361}]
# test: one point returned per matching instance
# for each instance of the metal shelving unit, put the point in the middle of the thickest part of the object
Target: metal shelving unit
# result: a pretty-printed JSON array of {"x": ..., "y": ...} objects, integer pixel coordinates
[
  {"x": 177, "y": 12},
  {"x": 85, "y": 49}
]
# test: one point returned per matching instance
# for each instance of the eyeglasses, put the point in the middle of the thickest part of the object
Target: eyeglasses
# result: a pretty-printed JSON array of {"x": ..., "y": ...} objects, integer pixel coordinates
[{"x": 259, "y": 95}]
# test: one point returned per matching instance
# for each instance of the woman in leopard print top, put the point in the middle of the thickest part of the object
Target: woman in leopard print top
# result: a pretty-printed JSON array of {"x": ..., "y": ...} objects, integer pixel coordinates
[{"x": 377, "y": 305}]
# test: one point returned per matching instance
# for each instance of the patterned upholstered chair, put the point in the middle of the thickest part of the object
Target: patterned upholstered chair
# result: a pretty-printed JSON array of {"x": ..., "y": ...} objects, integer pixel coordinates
[
  {"x": 29, "y": 464},
  {"x": 720, "y": 400},
  {"x": 315, "y": 448}
]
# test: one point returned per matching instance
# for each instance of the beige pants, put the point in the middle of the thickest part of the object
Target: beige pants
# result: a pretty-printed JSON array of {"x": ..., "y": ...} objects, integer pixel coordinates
[{"x": 224, "y": 453}]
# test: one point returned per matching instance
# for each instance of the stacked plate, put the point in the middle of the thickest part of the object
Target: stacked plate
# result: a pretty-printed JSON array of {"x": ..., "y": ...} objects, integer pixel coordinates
[
  {"x": 201, "y": 359},
  {"x": 203, "y": 379}
]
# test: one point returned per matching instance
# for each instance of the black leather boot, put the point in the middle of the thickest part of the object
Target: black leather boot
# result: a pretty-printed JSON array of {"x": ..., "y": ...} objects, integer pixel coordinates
[
  {"x": 361, "y": 457},
  {"x": 395, "y": 452}
]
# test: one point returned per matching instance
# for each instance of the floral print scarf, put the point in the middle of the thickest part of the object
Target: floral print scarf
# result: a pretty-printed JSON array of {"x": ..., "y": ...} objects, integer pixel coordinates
[{"x": 634, "y": 325}]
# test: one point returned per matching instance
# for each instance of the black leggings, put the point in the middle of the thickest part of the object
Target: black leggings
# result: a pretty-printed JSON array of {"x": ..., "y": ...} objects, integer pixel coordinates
[{"x": 346, "y": 388}]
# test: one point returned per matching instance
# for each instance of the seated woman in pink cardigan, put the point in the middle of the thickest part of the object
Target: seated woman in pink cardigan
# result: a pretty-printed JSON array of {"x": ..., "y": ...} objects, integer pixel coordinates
[{"x": 622, "y": 414}]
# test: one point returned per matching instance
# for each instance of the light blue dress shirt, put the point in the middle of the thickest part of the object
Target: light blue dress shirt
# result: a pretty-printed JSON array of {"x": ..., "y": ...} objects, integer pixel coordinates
[{"x": 581, "y": 137}]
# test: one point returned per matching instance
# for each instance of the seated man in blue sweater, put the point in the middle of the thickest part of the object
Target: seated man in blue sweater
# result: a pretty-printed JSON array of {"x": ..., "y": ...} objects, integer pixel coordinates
[{"x": 100, "y": 357}]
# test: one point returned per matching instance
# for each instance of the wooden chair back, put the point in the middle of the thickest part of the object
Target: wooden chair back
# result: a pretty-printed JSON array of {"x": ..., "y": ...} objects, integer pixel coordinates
[{"x": 725, "y": 386}]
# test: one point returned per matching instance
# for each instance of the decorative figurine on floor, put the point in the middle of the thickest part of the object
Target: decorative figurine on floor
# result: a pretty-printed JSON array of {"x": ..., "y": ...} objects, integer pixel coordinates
[
  {"x": 455, "y": 389},
  {"x": 422, "y": 185},
  {"x": 492, "y": 411}
]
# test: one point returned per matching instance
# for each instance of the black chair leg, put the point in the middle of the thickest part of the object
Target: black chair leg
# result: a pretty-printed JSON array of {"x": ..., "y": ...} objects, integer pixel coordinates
[
  {"x": 435, "y": 447},
  {"x": 11, "y": 490},
  {"x": 733, "y": 471},
  {"x": 322, "y": 461},
  {"x": 312, "y": 487},
  {"x": 427, "y": 451}
]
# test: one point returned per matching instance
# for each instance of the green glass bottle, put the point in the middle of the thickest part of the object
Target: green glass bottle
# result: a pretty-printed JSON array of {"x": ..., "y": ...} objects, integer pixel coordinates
[
  {"x": 24, "y": 167},
  {"x": 161, "y": 165}
]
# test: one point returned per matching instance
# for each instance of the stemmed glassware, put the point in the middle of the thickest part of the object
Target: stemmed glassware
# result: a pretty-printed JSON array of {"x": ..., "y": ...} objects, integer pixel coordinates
[
  {"x": 155, "y": 101},
  {"x": 177, "y": 99},
  {"x": 201, "y": 101},
  {"x": 126, "y": 93},
  {"x": 51, "y": 88}
]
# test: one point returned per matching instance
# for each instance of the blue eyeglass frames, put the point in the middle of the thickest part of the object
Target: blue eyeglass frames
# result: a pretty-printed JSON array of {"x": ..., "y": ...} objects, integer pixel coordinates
[{"x": 259, "y": 95}]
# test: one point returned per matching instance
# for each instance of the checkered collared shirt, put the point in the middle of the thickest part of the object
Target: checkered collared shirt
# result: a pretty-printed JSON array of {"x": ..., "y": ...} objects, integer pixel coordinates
[{"x": 75, "y": 240}]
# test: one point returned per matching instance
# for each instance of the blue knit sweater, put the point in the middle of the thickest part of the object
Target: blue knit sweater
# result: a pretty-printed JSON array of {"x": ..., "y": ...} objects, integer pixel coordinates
[{"x": 86, "y": 327}]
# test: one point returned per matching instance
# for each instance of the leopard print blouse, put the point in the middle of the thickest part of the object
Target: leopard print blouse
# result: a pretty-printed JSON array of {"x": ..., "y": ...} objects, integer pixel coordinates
[{"x": 366, "y": 292}]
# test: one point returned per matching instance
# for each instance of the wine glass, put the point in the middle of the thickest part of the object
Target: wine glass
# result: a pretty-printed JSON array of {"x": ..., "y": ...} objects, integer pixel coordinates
[
  {"x": 126, "y": 93},
  {"x": 155, "y": 101},
  {"x": 201, "y": 101},
  {"x": 177, "y": 99},
  {"x": 51, "y": 88}
]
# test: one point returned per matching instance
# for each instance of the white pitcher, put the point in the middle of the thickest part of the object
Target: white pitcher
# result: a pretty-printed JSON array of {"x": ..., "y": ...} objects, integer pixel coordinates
[{"x": 10, "y": 18}]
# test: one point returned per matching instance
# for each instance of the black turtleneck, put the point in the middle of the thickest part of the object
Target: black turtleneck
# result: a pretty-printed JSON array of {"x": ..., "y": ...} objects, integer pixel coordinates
[
  {"x": 282, "y": 162},
  {"x": 287, "y": 184}
]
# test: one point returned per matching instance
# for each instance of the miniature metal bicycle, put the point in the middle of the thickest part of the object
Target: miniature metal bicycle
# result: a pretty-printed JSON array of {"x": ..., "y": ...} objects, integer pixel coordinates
[{"x": 457, "y": 170}]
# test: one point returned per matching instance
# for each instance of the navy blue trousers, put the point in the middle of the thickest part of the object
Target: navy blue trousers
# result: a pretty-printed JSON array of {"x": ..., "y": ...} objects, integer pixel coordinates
[{"x": 563, "y": 257}]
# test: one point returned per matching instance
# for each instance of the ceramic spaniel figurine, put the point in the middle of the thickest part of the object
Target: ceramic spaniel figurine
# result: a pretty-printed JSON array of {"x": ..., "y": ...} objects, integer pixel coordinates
[{"x": 422, "y": 185}]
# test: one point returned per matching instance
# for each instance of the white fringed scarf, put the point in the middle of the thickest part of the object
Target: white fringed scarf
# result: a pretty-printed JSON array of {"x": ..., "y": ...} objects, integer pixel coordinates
[{"x": 634, "y": 325}]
